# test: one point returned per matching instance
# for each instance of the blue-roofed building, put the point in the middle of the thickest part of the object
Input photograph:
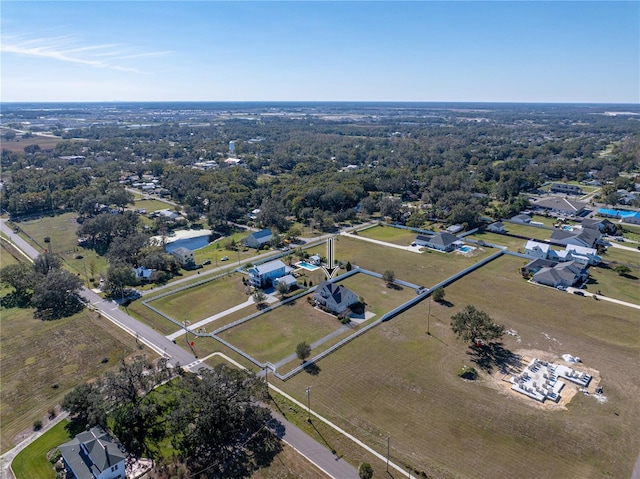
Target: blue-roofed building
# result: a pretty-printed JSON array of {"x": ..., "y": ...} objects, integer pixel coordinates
[
  {"x": 93, "y": 455},
  {"x": 257, "y": 239},
  {"x": 263, "y": 275}
]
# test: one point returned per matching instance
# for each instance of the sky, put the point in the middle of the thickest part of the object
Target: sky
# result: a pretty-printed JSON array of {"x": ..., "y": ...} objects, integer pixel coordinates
[{"x": 496, "y": 51}]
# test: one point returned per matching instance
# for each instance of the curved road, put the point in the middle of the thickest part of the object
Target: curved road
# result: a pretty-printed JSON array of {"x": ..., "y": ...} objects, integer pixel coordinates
[{"x": 315, "y": 452}]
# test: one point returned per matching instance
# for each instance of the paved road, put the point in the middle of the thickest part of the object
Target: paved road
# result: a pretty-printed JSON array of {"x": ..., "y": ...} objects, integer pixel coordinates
[{"x": 295, "y": 437}]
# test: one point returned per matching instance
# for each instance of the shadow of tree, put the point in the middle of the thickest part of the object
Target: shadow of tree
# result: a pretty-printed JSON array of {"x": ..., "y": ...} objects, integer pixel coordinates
[
  {"x": 491, "y": 355},
  {"x": 312, "y": 368},
  {"x": 446, "y": 303}
]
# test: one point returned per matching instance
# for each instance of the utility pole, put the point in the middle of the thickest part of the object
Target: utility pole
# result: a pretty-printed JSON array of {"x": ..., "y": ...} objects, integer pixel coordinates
[
  {"x": 308, "y": 403},
  {"x": 429, "y": 318}
]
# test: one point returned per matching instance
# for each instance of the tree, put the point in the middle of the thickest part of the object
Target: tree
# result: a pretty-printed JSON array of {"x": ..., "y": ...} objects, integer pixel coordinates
[
  {"x": 56, "y": 295},
  {"x": 389, "y": 277},
  {"x": 47, "y": 262},
  {"x": 259, "y": 297},
  {"x": 622, "y": 270},
  {"x": 365, "y": 471},
  {"x": 282, "y": 288},
  {"x": 471, "y": 324},
  {"x": 219, "y": 425},
  {"x": 21, "y": 277},
  {"x": 86, "y": 403},
  {"x": 303, "y": 351},
  {"x": 438, "y": 294},
  {"x": 119, "y": 276}
]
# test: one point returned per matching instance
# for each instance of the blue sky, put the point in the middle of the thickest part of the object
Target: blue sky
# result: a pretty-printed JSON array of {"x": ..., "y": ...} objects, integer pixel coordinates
[{"x": 508, "y": 51}]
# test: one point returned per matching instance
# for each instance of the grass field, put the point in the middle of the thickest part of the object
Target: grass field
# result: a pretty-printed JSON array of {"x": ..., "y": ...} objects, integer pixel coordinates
[
  {"x": 32, "y": 461},
  {"x": 41, "y": 361},
  {"x": 622, "y": 256},
  {"x": 44, "y": 142},
  {"x": 531, "y": 232},
  {"x": 202, "y": 301},
  {"x": 424, "y": 269},
  {"x": 514, "y": 244},
  {"x": 389, "y": 234},
  {"x": 9, "y": 254},
  {"x": 396, "y": 381},
  {"x": 611, "y": 284},
  {"x": 61, "y": 229},
  {"x": 150, "y": 205}
]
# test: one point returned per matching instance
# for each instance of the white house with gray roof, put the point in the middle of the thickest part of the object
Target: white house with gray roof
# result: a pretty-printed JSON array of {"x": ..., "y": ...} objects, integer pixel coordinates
[
  {"x": 258, "y": 239},
  {"x": 335, "y": 297},
  {"x": 440, "y": 241},
  {"x": 93, "y": 455}
]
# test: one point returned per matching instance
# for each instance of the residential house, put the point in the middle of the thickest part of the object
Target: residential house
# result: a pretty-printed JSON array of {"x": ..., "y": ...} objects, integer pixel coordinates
[
  {"x": 288, "y": 280},
  {"x": 440, "y": 241},
  {"x": 602, "y": 224},
  {"x": 560, "y": 206},
  {"x": 315, "y": 260},
  {"x": 93, "y": 455},
  {"x": 579, "y": 254},
  {"x": 167, "y": 214},
  {"x": 184, "y": 257},
  {"x": 566, "y": 189},
  {"x": 142, "y": 273},
  {"x": 453, "y": 229},
  {"x": 263, "y": 275},
  {"x": 335, "y": 297},
  {"x": 587, "y": 237},
  {"x": 535, "y": 249},
  {"x": 258, "y": 239},
  {"x": 523, "y": 218},
  {"x": 561, "y": 274},
  {"x": 497, "y": 227}
]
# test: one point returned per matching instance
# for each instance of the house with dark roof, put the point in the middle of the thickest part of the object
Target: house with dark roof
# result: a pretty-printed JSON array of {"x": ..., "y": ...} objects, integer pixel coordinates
[
  {"x": 560, "y": 206},
  {"x": 587, "y": 237},
  {"x": 335, "y": 297},
  {"x": 602, "y": 224},
  {"x": 258, "y": 239},
  {"x": 93, "y": 455},
  {"x": 441, "y": 241},
  {"x": 264, "y": 275},
  {"x": 561, "y": 274}
]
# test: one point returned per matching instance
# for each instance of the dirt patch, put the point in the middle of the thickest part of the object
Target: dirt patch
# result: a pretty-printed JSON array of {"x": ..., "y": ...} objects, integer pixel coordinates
[{"x": 500, "y": 380}]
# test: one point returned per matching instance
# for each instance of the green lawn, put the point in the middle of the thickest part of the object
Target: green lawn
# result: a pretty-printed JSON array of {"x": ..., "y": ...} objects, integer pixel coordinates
[
  {"x": 151, "y": 205},
  {"x": 9, "y": 254},
  {"x": 389, "y": 234},
  {"x": 32, "y": 461},
  {"x": 530, "y": 232},
  {"x": 202, "y": 301},
  {"x": 622, "y": 256},
  {"x": 610, "y": 283},
  {"x": 514, "y": 244}
]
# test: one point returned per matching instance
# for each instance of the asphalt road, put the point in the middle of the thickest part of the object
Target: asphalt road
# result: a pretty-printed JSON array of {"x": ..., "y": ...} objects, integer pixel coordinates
[{"x": 315, "y": 452}]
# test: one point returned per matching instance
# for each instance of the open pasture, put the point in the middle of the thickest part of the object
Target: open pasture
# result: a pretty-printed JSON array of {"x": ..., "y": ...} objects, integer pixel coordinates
[
  {"x": 610, "y": 283},
  {"x": 41, "y": 361},
  {"x": 18, "y": 144},
  {"x": 514, "y": 244},
  {"x": 617, "y": 256},
  {"x": 389, "y": 234},
  {"x": 150, "y": 205},
  {"x": 526, "y": 231},
  {"x": 425, "y": 269},
  {"x": 275, "y": 334},
  {"x": 396, "y": 381},
  {"x": 199, "y": 302}
]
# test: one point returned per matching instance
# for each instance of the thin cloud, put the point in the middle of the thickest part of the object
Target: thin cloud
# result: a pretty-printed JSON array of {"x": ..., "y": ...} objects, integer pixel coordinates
[{"x": 66, "y": 49}]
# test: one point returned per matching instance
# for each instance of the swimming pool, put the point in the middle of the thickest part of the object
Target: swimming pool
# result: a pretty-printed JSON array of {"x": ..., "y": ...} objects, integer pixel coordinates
[
  {"x": 618, "y": 213},
  {"x": 567, "y": 228},
  {"x": 466, "y": 249},
  {"x": 307, "y": 266}
]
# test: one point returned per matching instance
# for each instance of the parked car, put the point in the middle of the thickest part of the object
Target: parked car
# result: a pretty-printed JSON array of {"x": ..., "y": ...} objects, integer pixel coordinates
[
  {"x": 579, "y": 293},
  {"x": 224, "y": 258},
  {"x": 206, "y": 262}
]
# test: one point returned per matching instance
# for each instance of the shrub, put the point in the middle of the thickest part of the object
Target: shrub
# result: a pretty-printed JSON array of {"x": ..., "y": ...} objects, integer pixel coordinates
[
  {"x": 37, "y": 425},
  {"x": 468, "y": 372},
  {"x": 54, "y": 455}
]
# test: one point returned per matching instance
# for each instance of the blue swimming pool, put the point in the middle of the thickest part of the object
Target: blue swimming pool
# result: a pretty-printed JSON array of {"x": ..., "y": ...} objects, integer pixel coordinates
[
  {"x": 307, "y": 266},
  {"x": 567, "y": 228},
  {"x": 618, "y": 213},
  {"x": 466, "y": 249}
]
